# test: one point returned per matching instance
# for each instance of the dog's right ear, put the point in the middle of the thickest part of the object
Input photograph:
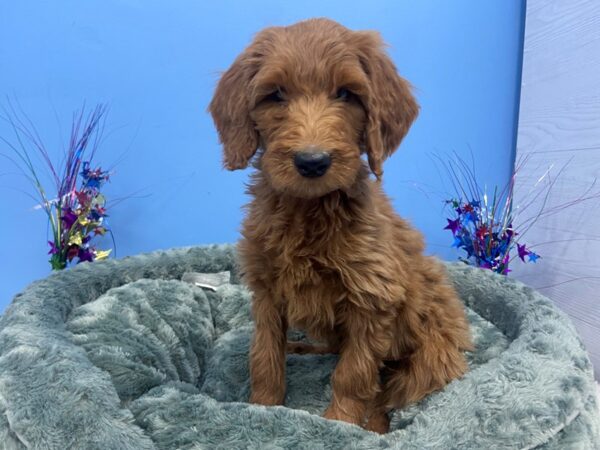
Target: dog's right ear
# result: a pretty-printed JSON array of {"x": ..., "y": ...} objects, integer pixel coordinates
[{"x": 230, "y": 109}]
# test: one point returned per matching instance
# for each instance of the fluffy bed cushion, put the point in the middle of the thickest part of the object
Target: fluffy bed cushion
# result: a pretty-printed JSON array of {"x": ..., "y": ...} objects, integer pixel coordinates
[{"x": 124, "y": 355}]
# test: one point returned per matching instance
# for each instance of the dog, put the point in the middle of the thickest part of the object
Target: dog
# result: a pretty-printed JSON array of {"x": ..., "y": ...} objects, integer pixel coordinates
[{"x": 322, "y": 249}]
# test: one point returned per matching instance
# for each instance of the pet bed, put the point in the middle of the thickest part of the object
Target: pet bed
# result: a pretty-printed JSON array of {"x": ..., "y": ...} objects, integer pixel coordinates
[{"x": 122, "y": 354}]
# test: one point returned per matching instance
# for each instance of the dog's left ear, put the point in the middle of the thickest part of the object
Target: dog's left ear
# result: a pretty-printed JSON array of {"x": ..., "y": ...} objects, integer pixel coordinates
[
  {"x": 230, "y": 109},
  {"x": 391, "y": 107}
]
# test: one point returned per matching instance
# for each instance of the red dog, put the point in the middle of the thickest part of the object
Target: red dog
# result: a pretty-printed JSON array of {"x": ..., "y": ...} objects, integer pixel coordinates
[{"x": 322, "y": 249}]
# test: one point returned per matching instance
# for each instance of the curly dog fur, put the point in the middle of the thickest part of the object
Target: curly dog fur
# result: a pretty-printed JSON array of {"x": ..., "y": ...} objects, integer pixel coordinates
[{"x": 327, "y": 254}]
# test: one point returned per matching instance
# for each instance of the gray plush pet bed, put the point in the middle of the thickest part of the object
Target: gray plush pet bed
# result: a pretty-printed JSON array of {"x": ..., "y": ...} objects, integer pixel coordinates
[{"x": 124, "y": 355}]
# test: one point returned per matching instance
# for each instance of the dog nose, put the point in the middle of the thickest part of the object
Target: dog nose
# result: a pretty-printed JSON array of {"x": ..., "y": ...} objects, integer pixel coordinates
[{"x": 312, "y": 164}]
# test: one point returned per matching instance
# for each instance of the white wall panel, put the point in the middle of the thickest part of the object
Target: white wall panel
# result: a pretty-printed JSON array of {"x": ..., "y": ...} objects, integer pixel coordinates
[{"x": 559, "y": 124}]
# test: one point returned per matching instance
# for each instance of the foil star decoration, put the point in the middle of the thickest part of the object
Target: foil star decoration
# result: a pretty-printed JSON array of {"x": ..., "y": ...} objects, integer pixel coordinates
[
  {"x": 77, "y": 213},
  {"x": 453, "y": 225},
  {"x": 490, "y": 228},
  {"x": 487, "y": 238}
]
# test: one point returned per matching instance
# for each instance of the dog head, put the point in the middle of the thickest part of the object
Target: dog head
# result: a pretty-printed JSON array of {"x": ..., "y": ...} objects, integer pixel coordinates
[{"x": 312, "y": 97}]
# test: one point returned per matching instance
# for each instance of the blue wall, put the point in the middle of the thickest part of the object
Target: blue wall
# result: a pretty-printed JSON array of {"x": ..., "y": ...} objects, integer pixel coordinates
[{"x": 156, "y": 64}]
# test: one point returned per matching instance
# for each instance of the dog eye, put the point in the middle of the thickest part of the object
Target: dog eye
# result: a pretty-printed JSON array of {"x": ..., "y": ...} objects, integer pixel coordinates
[
  {"x": 343, "y": 94},
  {"x": 275, "y": 96}
]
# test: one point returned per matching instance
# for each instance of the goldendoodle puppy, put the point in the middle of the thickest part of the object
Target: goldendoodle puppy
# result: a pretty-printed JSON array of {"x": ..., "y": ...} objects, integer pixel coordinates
[{"x": 322, "y": 248}]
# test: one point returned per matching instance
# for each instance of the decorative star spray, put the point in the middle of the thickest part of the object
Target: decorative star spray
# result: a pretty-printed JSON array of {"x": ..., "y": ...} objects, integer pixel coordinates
[
  {"x": 78, "y": 212},
  {"x": 481, "y": 228},
  {"x": 485, "y": 236}
]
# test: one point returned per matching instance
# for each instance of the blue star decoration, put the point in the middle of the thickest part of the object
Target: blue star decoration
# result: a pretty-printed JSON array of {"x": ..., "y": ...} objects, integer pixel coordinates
[{"x": 533, "y": 257}]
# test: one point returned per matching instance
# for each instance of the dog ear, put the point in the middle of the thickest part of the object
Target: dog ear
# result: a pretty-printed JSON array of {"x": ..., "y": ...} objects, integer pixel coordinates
[
  {"x": 391, "y": 107},
  {"x": 230, "y": 110}
]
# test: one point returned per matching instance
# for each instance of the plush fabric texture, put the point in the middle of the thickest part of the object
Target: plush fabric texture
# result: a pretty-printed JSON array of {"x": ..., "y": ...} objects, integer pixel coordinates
[{"x": 123, "y": 355}]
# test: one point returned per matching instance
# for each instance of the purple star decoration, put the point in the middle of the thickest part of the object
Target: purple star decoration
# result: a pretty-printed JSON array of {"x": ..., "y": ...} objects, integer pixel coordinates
[
  {"x": 453, "y": 225},
  {"x": 522, "y": 251}
]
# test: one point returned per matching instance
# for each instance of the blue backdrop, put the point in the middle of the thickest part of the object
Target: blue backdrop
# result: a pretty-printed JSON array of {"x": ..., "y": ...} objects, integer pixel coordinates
[{"x": 156, "y": 64}]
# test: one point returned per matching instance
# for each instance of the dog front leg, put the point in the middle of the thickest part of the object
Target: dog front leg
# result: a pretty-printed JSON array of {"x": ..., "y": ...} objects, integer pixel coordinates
[
  {"x": 355, "y": 381},
  {"x": 267, "y": 356}
]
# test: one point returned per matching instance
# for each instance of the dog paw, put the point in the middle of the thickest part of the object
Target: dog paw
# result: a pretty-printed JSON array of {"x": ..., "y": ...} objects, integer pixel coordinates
[
  {"x": 378, "y": 423},
  {"x": 333, "y": 413}
]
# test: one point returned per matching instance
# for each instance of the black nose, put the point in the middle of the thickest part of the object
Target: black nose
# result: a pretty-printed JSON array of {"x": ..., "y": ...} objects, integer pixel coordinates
[{"x": 312, "y": 164}]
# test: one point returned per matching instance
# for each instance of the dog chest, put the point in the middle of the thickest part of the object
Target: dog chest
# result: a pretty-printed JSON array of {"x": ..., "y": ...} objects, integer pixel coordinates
[{"x": 310, "y": 293}]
